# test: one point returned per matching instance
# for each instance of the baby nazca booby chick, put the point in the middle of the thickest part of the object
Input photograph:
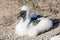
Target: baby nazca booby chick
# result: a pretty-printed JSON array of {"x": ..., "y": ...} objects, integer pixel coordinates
[
  {"x": 44, "y": 25},
  {"x": 21, "y": 27}
]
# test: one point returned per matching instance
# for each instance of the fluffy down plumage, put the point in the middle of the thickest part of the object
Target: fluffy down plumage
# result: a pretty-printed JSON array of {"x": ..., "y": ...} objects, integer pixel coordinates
[{"x": 43, "y": 25}]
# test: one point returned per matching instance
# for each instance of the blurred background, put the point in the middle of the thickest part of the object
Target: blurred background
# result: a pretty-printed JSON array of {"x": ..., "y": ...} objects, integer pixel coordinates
[{"x": 8, "y": 16}]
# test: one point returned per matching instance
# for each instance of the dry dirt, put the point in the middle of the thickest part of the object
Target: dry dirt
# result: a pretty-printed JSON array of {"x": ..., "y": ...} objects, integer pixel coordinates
[{"x": 8, "y": 17}]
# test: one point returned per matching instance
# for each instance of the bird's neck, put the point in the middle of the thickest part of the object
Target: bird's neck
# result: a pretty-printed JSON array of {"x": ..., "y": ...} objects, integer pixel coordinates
[
  {"x": 26, "y": 22},
  {"x": 21, "y": 20},
  {"x": 28, "y": 14}
]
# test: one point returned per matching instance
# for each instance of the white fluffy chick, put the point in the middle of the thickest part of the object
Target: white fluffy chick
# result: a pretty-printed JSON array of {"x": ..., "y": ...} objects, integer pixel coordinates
[{"x": 21, "y": 27}]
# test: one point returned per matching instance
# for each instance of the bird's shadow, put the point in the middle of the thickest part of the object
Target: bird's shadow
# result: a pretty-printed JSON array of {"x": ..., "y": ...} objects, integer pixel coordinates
[{"x": 55, "y": 23}]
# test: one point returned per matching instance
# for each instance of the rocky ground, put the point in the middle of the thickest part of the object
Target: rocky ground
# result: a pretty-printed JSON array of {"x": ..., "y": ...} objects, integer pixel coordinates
[{"x": 8, "y": 17}]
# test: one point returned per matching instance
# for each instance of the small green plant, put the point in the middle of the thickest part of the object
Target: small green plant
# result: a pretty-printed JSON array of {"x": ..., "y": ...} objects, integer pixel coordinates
[{"x": 29, "y": 0}]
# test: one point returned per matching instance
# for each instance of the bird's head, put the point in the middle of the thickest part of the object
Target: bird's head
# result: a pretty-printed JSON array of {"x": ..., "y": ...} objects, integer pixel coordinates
[{"x": 24, "y": 13}]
